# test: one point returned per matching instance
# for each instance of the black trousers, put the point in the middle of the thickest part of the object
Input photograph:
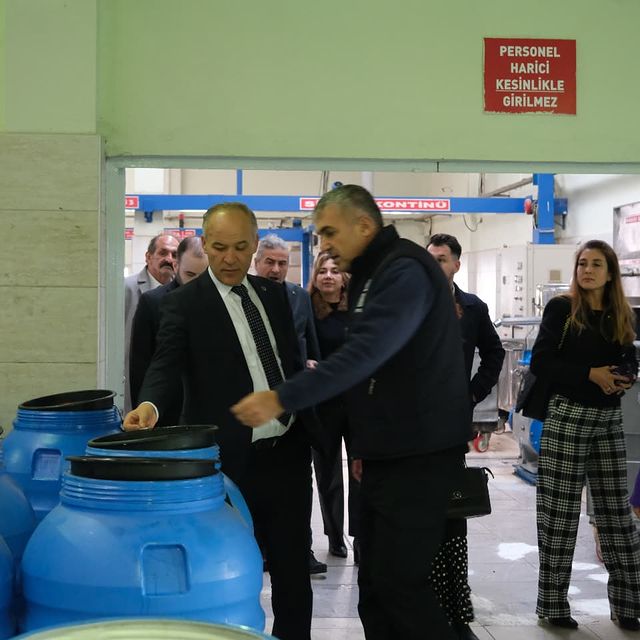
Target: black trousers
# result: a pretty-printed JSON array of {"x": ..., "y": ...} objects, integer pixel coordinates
[
  {"x": 402, "y": 524},
  {"x": 329, "y": 472},
  {"x": 277, "y": 488}
]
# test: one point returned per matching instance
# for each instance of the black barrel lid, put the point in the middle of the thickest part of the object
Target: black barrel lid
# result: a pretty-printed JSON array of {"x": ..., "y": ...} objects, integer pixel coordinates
[
  {"x": 176, "y": 438},
  {"x": 88, "y": 400},
  {"x": 107, "y": 468}
]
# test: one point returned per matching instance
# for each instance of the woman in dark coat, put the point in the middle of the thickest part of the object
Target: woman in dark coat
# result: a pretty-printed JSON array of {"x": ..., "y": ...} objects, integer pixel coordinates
[{"x": 327, "y": 289}]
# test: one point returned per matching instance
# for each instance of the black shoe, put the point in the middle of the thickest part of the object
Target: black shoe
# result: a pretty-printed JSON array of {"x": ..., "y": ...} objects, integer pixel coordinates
[
  {"x": 630, "y": 624},
  {"x": 464, "y": 632},
  {"x": 566, "y": 622},
  {"x": 315, "y": 566},
  {"x": 356, "y": 551},
  {"x": 337, "y": 547}
]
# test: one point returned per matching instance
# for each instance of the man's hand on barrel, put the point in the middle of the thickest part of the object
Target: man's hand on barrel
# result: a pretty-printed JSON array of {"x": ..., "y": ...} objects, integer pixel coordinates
[{"x": 144, "y": 416}]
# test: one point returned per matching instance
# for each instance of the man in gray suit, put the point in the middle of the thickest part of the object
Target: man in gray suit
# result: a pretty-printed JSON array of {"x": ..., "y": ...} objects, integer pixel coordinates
[
  {"x": 160, "y": 268},
  {"x": 272, "y": 261}
]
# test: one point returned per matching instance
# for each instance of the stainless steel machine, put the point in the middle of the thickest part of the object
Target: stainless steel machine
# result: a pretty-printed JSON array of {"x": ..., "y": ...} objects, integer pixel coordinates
[{"x": 518, "y": 353}]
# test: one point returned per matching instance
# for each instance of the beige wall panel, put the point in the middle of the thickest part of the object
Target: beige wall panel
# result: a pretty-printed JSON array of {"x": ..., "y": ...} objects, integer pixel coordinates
[
  {"x": 49, "y": 248},
  {"x": 199, "y": 181},
  {"x": 49, "y": 172},
  {"x": 54, "y": 324},
  {"x": 24, "y": 381}
]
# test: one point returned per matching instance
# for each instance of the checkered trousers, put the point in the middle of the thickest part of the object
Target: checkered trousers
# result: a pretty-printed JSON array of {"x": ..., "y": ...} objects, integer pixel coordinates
[{"x": 581, "y": 442}]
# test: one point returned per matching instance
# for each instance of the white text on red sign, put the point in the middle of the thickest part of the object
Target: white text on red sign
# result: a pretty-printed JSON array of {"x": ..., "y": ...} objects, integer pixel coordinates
[{"x": 394, "y": 204}]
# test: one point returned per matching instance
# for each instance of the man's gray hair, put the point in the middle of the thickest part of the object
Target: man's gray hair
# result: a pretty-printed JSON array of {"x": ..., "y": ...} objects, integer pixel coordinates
[
  {"x": 269, "y": 243},
  {"x": 351, "y": 197}
]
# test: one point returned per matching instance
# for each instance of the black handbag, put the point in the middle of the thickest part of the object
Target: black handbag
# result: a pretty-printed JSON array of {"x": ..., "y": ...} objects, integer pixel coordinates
[
  {"x": 470, "y": 494},
  {"x": 534, "y": 394},
  {"x": 533, "y": 397}
]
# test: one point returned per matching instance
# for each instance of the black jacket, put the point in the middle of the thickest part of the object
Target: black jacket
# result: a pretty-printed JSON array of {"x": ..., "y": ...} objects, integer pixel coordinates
[
  {"x": 144, "y": 328},
  {"x": 197, "y": 340},
  {"x": 478, "y": 331},
  {"x": 417, "y": 402}
]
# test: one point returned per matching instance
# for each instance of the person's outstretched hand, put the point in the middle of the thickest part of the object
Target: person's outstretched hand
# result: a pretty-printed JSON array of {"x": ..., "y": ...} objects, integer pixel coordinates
[
  {"x": 142, "y": 417},
  {"x": 257, "y": 408}
]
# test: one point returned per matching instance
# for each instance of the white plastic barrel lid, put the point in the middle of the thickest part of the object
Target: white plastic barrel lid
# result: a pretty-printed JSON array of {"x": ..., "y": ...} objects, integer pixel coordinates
[{"x": 146, "y": 629}]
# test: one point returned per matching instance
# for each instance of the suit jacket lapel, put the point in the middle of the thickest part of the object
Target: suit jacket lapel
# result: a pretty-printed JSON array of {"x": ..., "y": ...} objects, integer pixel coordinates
[
  {"x": 273, "y": 307},
  {"x": 214, "y": 310}
]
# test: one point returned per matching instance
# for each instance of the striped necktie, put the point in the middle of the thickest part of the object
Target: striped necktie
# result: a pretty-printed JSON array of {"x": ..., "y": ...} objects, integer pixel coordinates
[{"x": 262, "y": 342}]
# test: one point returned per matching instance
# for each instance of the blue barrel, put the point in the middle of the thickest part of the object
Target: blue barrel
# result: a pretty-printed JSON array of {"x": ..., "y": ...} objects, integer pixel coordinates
[
  {"x": 7, "y": 620},
  {"x": 184, "y": 441},
  {"x": 48, "y": 429},
  {"x": 147, "y": 629},
  {"x": 135, "y": 537},
  {"x": 17, "y": 520},
  {"x": 535, "y": 435}
]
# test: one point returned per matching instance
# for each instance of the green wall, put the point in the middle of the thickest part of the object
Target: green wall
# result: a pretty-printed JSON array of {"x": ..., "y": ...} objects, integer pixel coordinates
[
  {"x": 2, "y": 63},
  {"x": 356, "y": 79},
  {"x": 50, "y": 73},
  {"x": 337, "y": 79}
]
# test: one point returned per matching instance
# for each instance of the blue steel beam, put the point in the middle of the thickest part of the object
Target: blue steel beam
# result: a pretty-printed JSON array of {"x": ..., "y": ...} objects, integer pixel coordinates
[
  {"x": 292, "y": 204},
  {"x": 543, "y": 232}
]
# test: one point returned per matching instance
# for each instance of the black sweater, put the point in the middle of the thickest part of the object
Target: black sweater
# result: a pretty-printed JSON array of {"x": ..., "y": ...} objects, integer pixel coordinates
[{"x": 568, "y": 368}]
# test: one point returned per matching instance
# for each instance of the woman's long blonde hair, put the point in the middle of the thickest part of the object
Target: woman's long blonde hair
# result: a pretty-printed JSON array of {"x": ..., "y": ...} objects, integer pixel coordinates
[{"x": 614, "y": 303}]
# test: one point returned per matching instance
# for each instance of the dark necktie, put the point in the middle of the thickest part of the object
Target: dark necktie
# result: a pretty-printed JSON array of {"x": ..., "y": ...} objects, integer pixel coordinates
[{"x": 262, "y": 342}]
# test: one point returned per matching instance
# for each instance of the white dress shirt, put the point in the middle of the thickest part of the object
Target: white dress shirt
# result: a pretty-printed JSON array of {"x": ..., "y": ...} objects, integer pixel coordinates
[{"x": 233, "y": 304}]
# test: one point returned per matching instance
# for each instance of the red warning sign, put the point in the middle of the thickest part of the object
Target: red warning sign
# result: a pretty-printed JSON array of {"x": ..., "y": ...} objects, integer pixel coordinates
[{"x": 529, "y": 75}]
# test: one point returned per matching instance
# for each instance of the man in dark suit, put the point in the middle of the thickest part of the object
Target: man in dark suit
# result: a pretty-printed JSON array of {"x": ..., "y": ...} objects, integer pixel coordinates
[
  {"x": 450, "y": 574},
  {"x": 191, "y": 261},
  {"x": 477, "y": 329},
  {"x": 160, "y": 259},
  {"x": 227, "y": 334}
]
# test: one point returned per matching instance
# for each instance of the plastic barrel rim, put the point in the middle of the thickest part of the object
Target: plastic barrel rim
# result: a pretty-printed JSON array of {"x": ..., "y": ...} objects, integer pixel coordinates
[
  {"x": 143, "y": 469},
  {"x": 87, "y": 400},
  {"x": 147, "y": 629},
  {"x": 176, "y": 438}
]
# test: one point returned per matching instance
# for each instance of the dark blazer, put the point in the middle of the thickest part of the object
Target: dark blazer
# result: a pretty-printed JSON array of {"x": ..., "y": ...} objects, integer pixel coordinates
[
  {"x": 304, "y": 321},
  {"x": 197, "y": 340},
  {"x": 478, "y": 331},
  {"x": 144, "y": 328}
]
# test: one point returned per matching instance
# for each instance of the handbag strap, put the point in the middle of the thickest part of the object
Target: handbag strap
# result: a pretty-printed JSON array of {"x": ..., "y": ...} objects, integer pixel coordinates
[
  {"x": 565, "y": 330},
  {"x": 484, "y": 468}
]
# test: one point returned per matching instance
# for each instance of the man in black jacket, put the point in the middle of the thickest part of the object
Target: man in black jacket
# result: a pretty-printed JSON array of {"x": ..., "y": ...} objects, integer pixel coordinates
[
  {"x": 402, "y": 372},
  {"x": 450, "y": 570},
  {"x": 226, "y": 334},
  {"x": 478, "y": 331},
  {"x": 191, "y": 261}
]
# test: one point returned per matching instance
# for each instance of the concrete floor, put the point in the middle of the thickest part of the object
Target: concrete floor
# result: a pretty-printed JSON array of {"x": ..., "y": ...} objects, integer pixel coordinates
[{"x": 503, "y": 567}]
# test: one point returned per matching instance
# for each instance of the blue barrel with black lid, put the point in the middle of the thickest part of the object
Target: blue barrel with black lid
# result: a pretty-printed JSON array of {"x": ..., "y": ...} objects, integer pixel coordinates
[
  {"x": 48, "y": 429},
  {"x": 17, "y": 519},
  {"x": 135, "y": 537},
  {"x": 181, "y": 441}
]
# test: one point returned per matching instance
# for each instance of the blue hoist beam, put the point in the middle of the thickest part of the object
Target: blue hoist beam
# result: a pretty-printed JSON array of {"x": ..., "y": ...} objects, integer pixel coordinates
[{"x": 293, "y": 204}]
